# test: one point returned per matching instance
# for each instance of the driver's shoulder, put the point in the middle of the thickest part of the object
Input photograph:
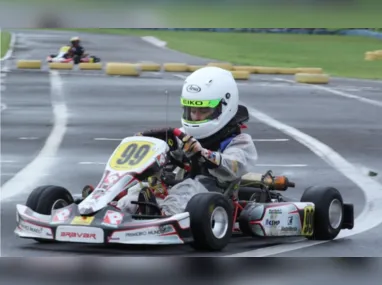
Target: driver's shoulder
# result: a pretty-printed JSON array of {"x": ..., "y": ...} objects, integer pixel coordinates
[{"x": 242, "y": 137}]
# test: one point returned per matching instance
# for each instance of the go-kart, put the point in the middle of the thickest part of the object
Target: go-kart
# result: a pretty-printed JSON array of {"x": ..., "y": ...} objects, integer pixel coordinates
[
  {"x": 53, "y": 214},
  {"x": 62, "y": 58}
]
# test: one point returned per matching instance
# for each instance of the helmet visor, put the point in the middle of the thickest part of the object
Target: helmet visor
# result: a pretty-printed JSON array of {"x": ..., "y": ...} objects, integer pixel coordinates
[{"x": 200, "y": 111}]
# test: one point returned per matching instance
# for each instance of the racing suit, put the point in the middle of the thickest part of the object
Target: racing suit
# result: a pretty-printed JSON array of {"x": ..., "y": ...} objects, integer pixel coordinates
[{"x": 237, "y": 154}]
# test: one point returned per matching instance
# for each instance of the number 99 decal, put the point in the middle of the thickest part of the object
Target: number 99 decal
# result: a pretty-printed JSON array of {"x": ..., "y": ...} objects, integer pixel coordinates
[
  {"x": 307, "y": 229},
  {"x": 131, "y": 155}
]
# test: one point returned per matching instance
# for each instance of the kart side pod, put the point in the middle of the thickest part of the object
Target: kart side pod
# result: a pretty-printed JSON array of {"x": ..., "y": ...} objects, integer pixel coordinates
[{"x": 320, "y": 215}]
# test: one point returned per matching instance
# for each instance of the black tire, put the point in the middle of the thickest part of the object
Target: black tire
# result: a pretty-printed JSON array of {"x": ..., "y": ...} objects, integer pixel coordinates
[
  {"x": 322, "y": 197},
  {"x": 43, "y": 198},
  {"x": 200, "y": 207}
]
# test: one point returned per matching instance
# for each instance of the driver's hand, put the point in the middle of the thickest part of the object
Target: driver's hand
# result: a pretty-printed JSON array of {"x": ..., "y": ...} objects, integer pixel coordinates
[{"x": 191, "y": 145}]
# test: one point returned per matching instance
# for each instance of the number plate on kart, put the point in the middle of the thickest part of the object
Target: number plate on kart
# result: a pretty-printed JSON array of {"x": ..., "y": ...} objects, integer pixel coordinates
[{"x": 132, "y": 155}]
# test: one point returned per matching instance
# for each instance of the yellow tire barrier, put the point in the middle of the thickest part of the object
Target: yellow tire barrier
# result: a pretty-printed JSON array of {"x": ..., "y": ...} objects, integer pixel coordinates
[
  {"x": 192, "y": 68},
  {"x": 241, "y": 74},
  {"x": 312, "y": 78},
  {"x": 310, "y": 70},
  {"x": 286, "y": 70},
  {"x": 250, "y": 69},
  {"x": 29, "y": 64},
  {"x": 175, "y": 67},
  {"x": 60, "y": 65},
  {"x": 148, "y": 66},
  {"x": 90, "y": 66},
  {"x": 373, "y": 55},
  {"x": 224, "y": 65},
  {"x": 124, "y": 69},
  {"x": 266, "y": 70}
]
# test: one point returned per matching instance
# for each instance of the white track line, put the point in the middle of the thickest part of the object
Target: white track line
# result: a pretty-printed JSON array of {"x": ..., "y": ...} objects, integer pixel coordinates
[
  {"x": 255, "y": 140},
  {"x": 2, "y": 107},
  {"x": 29, "y": 176},
  {"x": 28, "y": 138},
  {"x": 270, "y": 140},
  {"x": 91, "y": 163},
  {"x": 371, "y": 215},
  {"x": 339, "y": 93},
  {"x": 282, "y": 165},
  {"x": 107, "y": 139}
]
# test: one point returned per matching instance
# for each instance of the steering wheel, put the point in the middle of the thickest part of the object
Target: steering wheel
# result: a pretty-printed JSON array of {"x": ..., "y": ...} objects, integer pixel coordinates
[
  {"x": 179, "y": 158},
  {"x": 178, "y": 133}
]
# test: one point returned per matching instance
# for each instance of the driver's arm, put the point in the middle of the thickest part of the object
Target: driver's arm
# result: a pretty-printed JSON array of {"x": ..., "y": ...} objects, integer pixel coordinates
[
  {"x": 163, "y": 134},
  {"x": 237, "y": 159}
]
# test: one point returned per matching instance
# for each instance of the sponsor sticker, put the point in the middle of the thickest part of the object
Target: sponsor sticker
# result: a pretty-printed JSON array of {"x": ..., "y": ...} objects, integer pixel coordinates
[
  {"x": 275, "y": 211},
  {"x": 35, "y": 229},
  {"x": 61, "y": 215},
  {"x": 272, "y": 223},
  {"x": 82, "y": 220},
  {"x": 112, "y": 218},
  {"x": 31, "y": 228},
  {"x": 80, "y": 234},
  {"x": 152, "y": 231},
  {"x": 289, "y": 229}
]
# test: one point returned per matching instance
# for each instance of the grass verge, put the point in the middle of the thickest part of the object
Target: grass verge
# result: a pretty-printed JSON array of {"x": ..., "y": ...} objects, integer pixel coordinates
[
  {"x": 5, "y": 39},
  {"x": 338, "y": 55}
]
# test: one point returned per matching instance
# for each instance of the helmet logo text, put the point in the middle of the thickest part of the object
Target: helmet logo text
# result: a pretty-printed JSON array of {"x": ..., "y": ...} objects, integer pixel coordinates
[
  {"x": 193, "y": 88},
  {"x": 192, "y": 102}
]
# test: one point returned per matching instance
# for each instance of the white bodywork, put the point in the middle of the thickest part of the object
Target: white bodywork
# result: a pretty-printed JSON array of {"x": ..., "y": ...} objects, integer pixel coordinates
[
  {"x": 60, "y": 56},
  {"x": 58, "y": 59},
  {"x": 139, "y": 232},
  {"x": 118, "y": 177},
  {"x": 281, "y": 219}
]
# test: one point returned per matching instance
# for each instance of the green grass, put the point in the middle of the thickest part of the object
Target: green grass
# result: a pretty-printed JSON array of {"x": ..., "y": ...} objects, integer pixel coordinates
[
  {"x": 5, "y": 39},
  {"x": 338, "y": 55}
]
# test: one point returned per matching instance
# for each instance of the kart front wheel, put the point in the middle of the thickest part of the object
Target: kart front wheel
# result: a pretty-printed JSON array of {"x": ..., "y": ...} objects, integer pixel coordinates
[
  {"x": 211, "y": 216},
  {"x": 45, "y": 199}
]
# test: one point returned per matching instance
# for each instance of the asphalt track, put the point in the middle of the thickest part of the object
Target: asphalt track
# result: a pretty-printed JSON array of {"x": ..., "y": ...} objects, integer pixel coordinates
[{"x": 102, "y": 107}]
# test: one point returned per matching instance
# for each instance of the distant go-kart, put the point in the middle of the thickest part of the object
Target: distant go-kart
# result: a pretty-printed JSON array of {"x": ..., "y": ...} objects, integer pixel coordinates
[
  {"x": 52, "y": 213},
  {"x": 61, "y": 58}
]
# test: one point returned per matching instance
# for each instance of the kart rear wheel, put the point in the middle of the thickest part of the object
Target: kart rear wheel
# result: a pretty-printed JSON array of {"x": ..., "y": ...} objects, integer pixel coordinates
[
  {"x": 95, "y": 59},
  {"x": 45, "y": 199},
  {"x": 211, "y": 216},
  {"x": 328, "y": 214}
]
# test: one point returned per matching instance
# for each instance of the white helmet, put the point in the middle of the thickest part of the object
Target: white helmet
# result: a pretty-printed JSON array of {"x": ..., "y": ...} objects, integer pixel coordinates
[{"x": 215, "y": 90}]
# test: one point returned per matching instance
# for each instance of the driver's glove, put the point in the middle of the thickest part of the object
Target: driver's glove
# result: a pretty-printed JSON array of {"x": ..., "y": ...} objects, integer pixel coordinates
[{"x": 192, "y": 146}]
